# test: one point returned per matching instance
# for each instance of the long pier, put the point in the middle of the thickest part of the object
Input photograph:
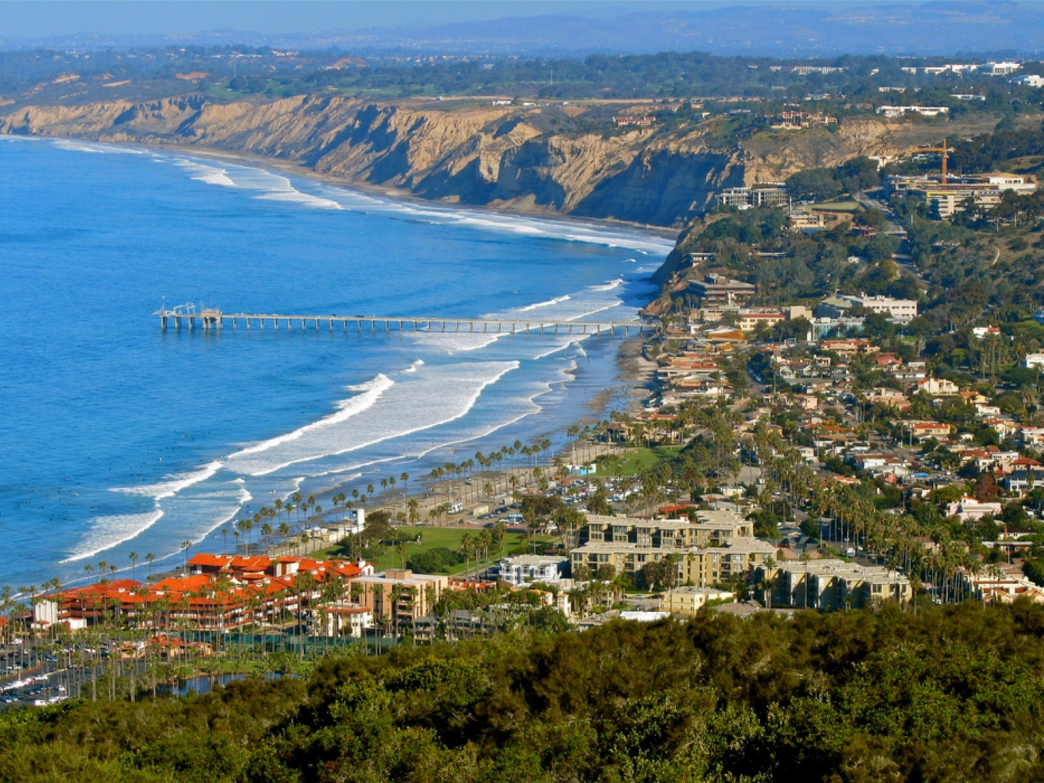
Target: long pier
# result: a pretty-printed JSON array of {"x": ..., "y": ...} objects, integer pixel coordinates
[{"x": 211, "y": 319}]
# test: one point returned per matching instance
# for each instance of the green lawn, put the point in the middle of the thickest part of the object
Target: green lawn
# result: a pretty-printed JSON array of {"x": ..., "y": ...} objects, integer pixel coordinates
[
  {"x": 837, "y": 206},
  {"x": 634, "y": 461},
  {"x": 434, "y": 537}
]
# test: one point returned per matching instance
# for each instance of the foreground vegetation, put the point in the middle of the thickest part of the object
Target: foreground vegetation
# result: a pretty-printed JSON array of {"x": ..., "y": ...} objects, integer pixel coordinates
[{"x": 935, "y": 694}]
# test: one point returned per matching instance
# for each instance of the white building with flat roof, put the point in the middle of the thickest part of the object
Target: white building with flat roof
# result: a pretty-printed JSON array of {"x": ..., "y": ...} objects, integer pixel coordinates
[{"x": 526, "y": 569}]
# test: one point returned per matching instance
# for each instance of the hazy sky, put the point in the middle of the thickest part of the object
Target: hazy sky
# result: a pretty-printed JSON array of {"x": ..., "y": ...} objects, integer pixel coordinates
[{"x": 30, "y": 18}]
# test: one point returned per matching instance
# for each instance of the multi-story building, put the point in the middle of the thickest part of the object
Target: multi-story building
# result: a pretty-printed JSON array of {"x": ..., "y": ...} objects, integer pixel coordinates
[
  {"x": 688, "y": 600},
  {"x": 527, "y": 569},
  {"x": 227, "y": 592},
  {"x": 768, "y": 195},
  {"x": 718, "y": 546},
  {"x": 830, "y": 584},
  {"x": 717, "y": 289},
  {"x": 712, "y": 528},
  {"x": 899, "y": 310},
  {"x": 398, "y": 596},
  {"x": 899, "y": 111}
]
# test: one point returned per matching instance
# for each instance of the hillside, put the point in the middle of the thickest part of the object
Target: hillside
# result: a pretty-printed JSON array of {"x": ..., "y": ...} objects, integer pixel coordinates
[
  {"x": 551, "y": 158},
  {"x": 946, "y": 694}
]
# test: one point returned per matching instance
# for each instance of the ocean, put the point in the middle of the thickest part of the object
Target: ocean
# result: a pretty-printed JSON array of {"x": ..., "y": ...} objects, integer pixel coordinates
[{"x": 120, "y": 438}]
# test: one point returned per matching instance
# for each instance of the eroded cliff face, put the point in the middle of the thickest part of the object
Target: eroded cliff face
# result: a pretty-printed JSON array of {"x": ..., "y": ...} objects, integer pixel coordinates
[{"x": 490, "y": 155}]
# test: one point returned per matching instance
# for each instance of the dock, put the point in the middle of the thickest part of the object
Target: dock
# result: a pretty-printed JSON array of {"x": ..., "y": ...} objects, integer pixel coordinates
[{"x": 208, "y": 319}]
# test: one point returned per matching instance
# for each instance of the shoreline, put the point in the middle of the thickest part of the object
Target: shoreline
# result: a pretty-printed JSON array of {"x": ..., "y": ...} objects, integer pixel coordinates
[
  {"x": 627, "y": 356},
  {"x": 295, "y": 169}
]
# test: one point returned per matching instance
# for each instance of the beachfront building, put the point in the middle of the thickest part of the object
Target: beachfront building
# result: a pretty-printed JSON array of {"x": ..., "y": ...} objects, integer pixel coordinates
[{"x": 224, "y": 593}]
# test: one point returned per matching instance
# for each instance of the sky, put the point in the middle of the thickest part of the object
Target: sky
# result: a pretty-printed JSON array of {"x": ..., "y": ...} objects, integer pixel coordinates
[{"x": 30, "y": 18}]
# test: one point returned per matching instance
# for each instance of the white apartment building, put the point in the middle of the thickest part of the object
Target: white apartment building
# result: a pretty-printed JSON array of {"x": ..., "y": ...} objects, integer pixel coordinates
[
  {"x": 527, "y": 569},
  {"x": 899, "y": 111}
]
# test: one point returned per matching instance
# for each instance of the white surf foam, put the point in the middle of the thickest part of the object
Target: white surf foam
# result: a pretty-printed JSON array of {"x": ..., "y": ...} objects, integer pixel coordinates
[
  {"x": 167, "y": 489},
  {"x": 448, "y": 392},
  {"x": 201, "y": 172},
  {"x": 295, "y": 196},
  {"x": 110, "y": 531},
  {"x": 98, "y": 149},
  {"x": 548, "y": 303},
  {"x": 370, "y": 392}
]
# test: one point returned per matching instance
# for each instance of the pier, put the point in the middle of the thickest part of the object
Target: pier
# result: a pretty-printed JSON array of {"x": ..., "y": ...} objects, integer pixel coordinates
[{"x": 207, "y": 319}]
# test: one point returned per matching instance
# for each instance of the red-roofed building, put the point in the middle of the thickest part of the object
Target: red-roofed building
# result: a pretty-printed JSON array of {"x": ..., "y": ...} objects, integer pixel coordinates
[{"x": 225, "y": 593}]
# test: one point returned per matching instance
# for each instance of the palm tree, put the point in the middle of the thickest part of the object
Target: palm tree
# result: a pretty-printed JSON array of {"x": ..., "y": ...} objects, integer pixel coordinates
[
  {"x": 185, "y": 547},
  {"x": 134, "y": 565},
  {"x": 466, "y": 544}
]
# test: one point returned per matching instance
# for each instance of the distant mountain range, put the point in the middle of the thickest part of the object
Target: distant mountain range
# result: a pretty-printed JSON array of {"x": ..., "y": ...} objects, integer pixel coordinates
[{"x": 798, "y": 30}]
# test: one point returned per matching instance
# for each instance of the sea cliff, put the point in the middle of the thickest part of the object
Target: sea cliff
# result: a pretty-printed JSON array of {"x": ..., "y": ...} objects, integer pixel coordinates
[{"x": 499, "y": 156}]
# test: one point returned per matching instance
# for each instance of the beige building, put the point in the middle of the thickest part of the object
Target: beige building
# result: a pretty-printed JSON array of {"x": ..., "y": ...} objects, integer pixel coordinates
[
  {"x": 688, "y": 600},
  {"x": 400, "y": 595},
  {"x": 718, "y": 546},
  {"x": 712, "y": 528},
  {"x": 712, "y": 565},
  {"x": 831, "y": 584}
]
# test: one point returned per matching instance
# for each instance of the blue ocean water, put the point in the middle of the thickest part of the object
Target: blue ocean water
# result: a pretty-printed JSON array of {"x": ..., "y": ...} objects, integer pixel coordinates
[{"x": 117, "y": 437}]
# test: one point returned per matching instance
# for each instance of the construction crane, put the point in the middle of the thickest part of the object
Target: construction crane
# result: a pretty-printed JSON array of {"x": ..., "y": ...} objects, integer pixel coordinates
[{"x": 944, "y": 152}]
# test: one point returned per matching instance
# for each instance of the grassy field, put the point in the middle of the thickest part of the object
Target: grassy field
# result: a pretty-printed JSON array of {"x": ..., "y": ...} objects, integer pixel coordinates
[
  {"x": 636, "y": 460},
  {"x": 837, "y": 206},
  {"x": 434, "y": 537}
]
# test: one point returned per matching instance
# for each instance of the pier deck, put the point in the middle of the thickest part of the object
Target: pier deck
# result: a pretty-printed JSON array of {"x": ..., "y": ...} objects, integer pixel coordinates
[{"x": 208, "y": 319}]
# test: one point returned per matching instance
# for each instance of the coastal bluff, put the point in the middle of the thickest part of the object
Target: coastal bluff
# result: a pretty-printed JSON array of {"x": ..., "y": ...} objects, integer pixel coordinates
[{"x": 508, "y": 157}]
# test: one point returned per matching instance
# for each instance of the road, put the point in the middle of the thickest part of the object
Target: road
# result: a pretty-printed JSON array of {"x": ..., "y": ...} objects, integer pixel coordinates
[{"x": 892, "y": 226}]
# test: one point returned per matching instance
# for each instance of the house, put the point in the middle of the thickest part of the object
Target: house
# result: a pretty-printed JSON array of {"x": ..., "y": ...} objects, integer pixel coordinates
[
  {"x": 1029, "y": 80},
  {"x": 890, "y": 398},
  {"x": 847, "y": 348},
  {"x": 636, "y": 122},
  {"x": 1000, "y": 583},
  {"x": 927, "y": 429},
  {"x": 1019, "y": 482},
  {"x": 1034, "y": 361},
  {"x": 970, "y": 509},
  {"x": 935, "y": 387}
]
